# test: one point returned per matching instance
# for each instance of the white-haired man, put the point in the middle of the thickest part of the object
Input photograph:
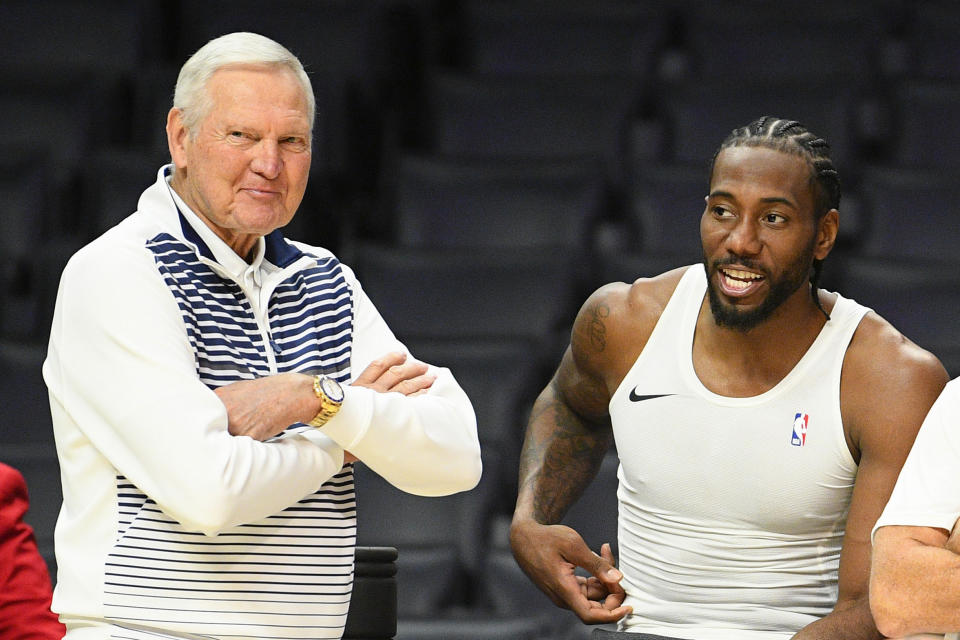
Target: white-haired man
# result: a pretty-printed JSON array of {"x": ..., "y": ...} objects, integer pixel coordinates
[{"x": 211, "y": 383}]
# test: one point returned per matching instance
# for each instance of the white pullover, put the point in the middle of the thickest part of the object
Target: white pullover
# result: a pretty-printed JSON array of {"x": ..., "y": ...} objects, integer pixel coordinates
[{"x": 170, "y": 526}]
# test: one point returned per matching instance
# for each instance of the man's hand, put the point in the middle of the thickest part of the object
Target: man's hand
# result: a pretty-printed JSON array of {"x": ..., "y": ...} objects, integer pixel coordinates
[
  {"x": 395, "y": 372},
  {"x": 549, "y": 555},
  {"x": 953, "y": 542},
  {"x": 264, "y": 407}
]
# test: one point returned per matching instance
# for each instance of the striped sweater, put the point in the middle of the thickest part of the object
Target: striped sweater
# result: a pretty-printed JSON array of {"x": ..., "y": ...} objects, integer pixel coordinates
[{"x": 171, "y": 527}]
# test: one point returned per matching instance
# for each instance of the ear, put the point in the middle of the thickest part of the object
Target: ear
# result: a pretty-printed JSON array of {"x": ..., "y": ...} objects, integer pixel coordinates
[
  {"x": 826, "y": 234},
  {"x": 178, "y": 138}
]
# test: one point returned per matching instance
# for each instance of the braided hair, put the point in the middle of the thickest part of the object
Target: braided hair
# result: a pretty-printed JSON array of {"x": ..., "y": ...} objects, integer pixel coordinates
[{"x": 790, "y": 136}]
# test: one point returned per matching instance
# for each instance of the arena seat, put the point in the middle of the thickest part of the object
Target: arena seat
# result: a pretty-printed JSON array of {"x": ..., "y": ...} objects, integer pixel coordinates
[
  {"x": 666, "y": 204},
  {"x": 931, "y": 37},
  {"x": 918, "y": 297},
  {"x": 464, "y": 203},
  {"x": 438, "y": 539},
  {"x": 529, "y": 117},
  {"x": 63, "y": 37},
  {"x": 927, "y": 125},
  {"x": 911, "y": 213},
  {"x": 792, "y": 41},
  {"x": 480, "y": 293},
  {"x": 700, "y": 114},
  {"x": 373, "y": 603},
  {"x": 561, "y": 38}
]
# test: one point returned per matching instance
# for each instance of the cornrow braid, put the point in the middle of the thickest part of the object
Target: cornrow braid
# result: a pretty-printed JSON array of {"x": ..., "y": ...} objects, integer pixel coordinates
[{"x": 790, "y": 136}]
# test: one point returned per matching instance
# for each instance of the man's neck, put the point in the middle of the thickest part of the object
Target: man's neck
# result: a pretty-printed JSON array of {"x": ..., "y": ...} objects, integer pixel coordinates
[{"x": 747, "y": 363}]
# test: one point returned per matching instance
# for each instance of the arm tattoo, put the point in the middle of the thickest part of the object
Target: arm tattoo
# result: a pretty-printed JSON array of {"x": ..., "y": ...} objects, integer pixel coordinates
[
  {"x": 556, "y": 466},
  {"x": 597, "y": 329}
]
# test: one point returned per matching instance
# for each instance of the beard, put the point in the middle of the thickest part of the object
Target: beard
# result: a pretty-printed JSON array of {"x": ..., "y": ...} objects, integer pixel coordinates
[{"x": 730, "y": 316}]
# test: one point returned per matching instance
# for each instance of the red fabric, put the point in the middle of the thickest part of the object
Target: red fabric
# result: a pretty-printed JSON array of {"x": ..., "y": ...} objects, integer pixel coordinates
[{"x": 25, "y": 590}]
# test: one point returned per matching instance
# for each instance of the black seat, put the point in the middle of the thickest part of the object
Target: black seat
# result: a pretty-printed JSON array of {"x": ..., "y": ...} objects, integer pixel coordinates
[
  {"x": 373, "y": 602},
  {"x": 23, "y": 395},
  {"x": 912, "y": 213},
  {"x": 25, "y": 210},
  {"x": 438, "y": 539},
  {"x": 927, "y": 125},
  {"x": 480, "y": 293},
  {"x": 919, "y": 297},
  {"x": 531, "y": 117},
  {"x": 63, "y": 37},
  {"x": 459, "y": 203},
  {"x": 790, "y": 41},
  {"x": 699, "y": 115},
  {"x": 931, "y": 37},
  {"x": 478, "y": 626},
  {"x": 667, "y": 202},
  {"x": 560, "y": 38},
  {"x": 54, "y": 115}
]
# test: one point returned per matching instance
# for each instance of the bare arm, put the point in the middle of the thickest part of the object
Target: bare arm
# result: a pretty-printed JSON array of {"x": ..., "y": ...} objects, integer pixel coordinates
[
  {"x": 915, "y": 579},
  {"x": 567, "y": 436},
  {"x": 915, "y": 586},
  {"x": 887, "y": 388}
]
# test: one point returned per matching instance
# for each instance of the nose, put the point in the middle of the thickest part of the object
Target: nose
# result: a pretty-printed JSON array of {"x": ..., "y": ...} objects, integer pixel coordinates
[
  {"x": 266, "y": 160},
  {"x": 744, "y": 240}
]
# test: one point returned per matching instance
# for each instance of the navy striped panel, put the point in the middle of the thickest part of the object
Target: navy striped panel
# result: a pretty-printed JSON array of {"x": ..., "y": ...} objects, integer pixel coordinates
[{"x": 289, "y": 575}]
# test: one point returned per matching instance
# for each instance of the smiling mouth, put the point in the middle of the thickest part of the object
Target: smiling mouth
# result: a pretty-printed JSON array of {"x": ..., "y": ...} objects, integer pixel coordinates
[
  {"x": 259, "y": 193},
  {"x": 738, "y": 281}
]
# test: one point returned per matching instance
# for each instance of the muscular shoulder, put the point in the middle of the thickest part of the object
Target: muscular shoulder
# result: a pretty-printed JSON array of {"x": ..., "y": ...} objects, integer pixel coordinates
[
  {"x": 880, "y": 355},
  {"x": 889, "y": 383},
  {"x": 614, "y": 323}
]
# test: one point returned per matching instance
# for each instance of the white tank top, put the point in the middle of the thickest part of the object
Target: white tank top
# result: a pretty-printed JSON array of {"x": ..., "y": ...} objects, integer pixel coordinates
[{"x": 732, "y": 510}]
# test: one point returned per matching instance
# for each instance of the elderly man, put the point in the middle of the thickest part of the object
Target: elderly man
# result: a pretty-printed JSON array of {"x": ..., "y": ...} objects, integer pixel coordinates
[
  {"x": 211, "y": 384},
  {"x": 915, "y": 582}
]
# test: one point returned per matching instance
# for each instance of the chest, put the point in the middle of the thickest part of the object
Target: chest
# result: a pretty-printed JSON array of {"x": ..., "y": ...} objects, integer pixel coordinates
[
  {"x": 304, "y": 323},
  {"x": 780, "y": 466}
]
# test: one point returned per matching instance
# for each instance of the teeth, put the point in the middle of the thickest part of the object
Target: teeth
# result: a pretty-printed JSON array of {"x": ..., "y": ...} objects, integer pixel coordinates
[
  {"x": 739, "y": 280},
  {"x": 737, "y": 284},
  {"x": 741, "y": 275}
]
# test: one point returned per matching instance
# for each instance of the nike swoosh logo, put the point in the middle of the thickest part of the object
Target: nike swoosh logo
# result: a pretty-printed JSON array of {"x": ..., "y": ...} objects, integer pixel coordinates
[{"x": 635, "y": 397}]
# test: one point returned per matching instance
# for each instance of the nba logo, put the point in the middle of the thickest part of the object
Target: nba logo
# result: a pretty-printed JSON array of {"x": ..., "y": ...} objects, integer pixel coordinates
[{"x": 799, "y": 430}]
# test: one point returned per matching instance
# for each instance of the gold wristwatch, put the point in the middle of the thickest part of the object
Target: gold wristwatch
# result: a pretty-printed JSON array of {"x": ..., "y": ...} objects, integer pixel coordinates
[{"x": 330, "y": 394}]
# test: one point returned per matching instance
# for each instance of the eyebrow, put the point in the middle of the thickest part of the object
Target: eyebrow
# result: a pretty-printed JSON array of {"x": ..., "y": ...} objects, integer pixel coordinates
[{"x": 769, "y": 200}]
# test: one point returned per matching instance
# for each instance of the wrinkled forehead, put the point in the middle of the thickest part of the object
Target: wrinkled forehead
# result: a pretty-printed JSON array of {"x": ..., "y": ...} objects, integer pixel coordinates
[{"x": 258, "y": 89}]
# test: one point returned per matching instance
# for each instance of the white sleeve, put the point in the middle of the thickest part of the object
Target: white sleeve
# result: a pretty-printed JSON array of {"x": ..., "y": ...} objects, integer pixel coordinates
[
  {"x": 927, "y": 493},
  {"x": 122, "y": 377},
  {"x": 424, "y": 444}
]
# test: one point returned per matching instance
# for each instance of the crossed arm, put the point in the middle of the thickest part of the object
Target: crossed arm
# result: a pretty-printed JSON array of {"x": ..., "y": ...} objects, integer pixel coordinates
[
  {"x": 264, "y": 407},
  {"x": 915, "y": 581},
  {"x": 915, "y": 584}
]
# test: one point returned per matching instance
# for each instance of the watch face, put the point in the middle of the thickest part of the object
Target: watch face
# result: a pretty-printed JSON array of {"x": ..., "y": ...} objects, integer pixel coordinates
[{"x": 332, "y": 389}]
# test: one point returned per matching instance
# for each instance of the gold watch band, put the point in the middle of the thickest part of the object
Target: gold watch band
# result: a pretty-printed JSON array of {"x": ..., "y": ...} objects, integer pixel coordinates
[{"x": 328, "y": 406}]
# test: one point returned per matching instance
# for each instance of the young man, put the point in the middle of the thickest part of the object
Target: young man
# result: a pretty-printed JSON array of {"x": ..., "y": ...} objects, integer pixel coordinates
[{"x": 760, "y": 422}]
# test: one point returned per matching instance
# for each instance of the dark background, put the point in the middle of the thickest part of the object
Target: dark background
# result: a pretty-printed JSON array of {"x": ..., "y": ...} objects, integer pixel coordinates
[{"x": 484, "y": 166}]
